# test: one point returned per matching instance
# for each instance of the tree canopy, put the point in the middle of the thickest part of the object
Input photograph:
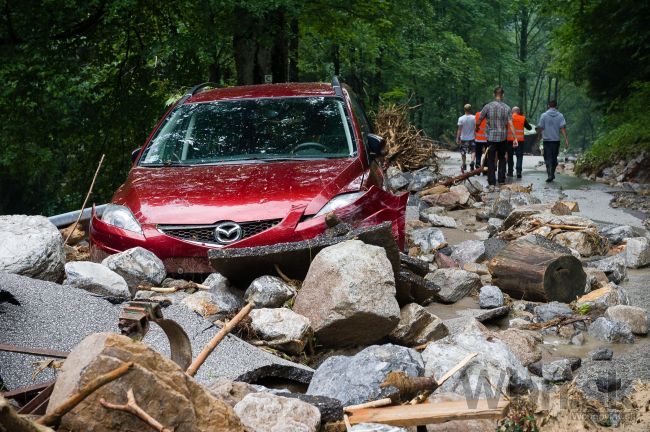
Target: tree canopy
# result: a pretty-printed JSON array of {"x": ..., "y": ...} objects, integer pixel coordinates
[{"x": 85, "y": 78}]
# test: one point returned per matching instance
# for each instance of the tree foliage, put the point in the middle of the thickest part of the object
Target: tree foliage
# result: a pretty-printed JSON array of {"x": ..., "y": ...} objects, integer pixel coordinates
[{"x": 85, "y": 78}]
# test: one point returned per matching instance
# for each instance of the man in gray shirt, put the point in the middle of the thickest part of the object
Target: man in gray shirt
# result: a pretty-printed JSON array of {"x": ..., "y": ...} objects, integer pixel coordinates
[
  {"x": 499, "y": 119},
  {"x": 551, "y": 123}
]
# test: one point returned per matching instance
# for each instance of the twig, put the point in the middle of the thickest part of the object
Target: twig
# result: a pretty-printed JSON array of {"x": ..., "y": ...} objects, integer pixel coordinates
[
  {"x": 371, "y": 404},
  {"x": 456, "y": 368},
  {"x": 227, "y": 328},
  {"x": 74, "y": 400},
  {"x": 346, "y": 420},
  {"x": 132, "y": 407},
  {"x": 83, "y": 206}
]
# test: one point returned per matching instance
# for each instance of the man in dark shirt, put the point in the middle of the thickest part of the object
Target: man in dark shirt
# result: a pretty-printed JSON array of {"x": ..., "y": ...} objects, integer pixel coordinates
[{"x": 499, "y": 118}]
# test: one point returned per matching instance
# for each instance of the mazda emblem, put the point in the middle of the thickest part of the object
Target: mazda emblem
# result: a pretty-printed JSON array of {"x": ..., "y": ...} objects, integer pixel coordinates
[{"x": 228, "y": 232}]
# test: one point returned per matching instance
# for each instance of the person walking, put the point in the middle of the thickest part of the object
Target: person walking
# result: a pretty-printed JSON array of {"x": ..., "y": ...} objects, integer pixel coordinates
[
  {"x": 520, "y": 123},
  {"x": 551, "y": 124},
  {"x": 465, "y": 137},
  {"x": 499, "y": 120},
  {"x": 480, "y": 139}
]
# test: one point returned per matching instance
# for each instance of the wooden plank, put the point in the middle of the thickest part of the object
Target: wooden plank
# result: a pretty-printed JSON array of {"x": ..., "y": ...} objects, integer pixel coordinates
[{"x": 430, "y": 413}]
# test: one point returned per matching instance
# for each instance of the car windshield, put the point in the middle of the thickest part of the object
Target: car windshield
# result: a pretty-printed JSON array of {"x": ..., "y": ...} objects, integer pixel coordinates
[{"x": 252, "y": 129}]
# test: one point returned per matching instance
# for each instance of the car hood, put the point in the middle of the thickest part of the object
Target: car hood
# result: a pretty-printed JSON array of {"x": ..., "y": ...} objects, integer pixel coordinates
[{"x": 239, "y": 192}]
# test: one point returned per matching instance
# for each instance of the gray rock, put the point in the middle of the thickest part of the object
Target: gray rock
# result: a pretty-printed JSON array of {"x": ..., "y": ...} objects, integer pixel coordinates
[
  {"x": 56, "y": 317},
  {"x": 469, "y": 251},
  {"x": 602, "y": 298},
  {"x": 264, "y": 412},
  {"x": 493, "y": 246},
  {"x": 427, "y": 239},
  {"x": 330, "y": 409},
  {"x": 490, "y": 297},
  {"x": 217, "y": 282},
  {"x": 637, "y": 252},
  {"x": 420, "y": 180},
  {"x": 441, "y": 221},
  {"x": 454, "y": 284},
  {"x": 524, "y": 344},
  {"x": 31, "y": 246},
  {"x": 230, "y": 391},
  {"x": 354, "y": 380},
  {"x": 617, "y": 233},
  {"x": 615, "y": 267},
  {"x": 483, "y": 315},
  {"x": 281, "y": 328},
  {"x": 494, "y": 225},
  {"x": 607, "y": 382},
  {"x": 546, "y": 243},
  {"x": 417, "y": 326},
  {"x": 396, "y": 179},
  {"x": 607, "y": 330},
  {"x": 548, "y": 311},
  {"x": 500, "y": 208},
  {"x": 269, "y": 292},
  {"x": 635, "y": 317},
  {"x": 137, "y": 266},
  {"x": 97, "y": 279},
  {"x": 578, "y": 339},
  {"x": 557, "y": 371},
  {"x": 348, "y": 294},
  {"x": 495, "y": 364},
  {"x": 600, "y": 354}
]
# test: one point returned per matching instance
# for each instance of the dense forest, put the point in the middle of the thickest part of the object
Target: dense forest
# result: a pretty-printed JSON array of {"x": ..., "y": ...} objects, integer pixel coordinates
[{"x": 83, "y": 78}]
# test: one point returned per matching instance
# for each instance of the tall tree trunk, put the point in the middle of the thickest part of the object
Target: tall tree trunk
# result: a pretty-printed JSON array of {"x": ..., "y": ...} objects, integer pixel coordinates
[
  {"x": 336, "y": 59},
  {"x": 294, "y": 40},
  {"x": 523, "y": 57}
]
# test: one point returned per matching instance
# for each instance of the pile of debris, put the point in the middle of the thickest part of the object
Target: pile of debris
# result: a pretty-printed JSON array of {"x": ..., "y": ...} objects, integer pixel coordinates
[{"x": 408, "y": 148}]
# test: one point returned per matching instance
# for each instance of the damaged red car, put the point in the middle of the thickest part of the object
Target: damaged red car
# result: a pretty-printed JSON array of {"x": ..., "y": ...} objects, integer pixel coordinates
[{"x": 248, "y": 166}]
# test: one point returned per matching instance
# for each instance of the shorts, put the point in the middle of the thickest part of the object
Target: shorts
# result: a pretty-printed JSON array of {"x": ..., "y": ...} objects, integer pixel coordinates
[{"x": 467, "y": 147}]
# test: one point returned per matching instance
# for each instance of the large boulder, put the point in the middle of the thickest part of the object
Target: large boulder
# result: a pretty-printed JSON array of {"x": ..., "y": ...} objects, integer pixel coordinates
[
  {"x": 586, "y": 242},
  {"x": 354, "y": 380},
  {"x": 441, "y": 221},
  {"x": 417, "y": 326},
  {"x": 637, "y": 252},
  {"x": 397, "y": 179},
  {"x": 548, "y": 311},
  {"x": 31, "y": 246},
  {"x": 469, "y": 251},
  {"x": 157, "y": 382},
  {"x": 269, "y": 292},
  {"x": 602, "y": 298},
  {"x": 348, "y": 294},
  {"x": 265, "y": 412},
  {"x": 230, "y": 391},
  {"x": 137, "y": 266},
  {"x": 495, "y": 364},
  {"x": 607, "y": 330},
  {"x": 635, "y": 317},
  {"x": 219, "y": 302},
  {"x": 454, "y": 284},
  {"x": 616, "y": 234},
  {"x": 97, "y": 279},
  {"x": 427, "y": 239},
  {"x": 281, "y": 328}
]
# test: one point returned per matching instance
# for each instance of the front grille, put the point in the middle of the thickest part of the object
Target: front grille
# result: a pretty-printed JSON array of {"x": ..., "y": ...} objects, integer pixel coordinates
[{"x": 205, "y": 233}]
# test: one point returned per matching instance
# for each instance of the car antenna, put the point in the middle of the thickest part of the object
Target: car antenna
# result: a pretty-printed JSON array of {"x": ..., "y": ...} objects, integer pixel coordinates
[{"x": 337, "y": 86}]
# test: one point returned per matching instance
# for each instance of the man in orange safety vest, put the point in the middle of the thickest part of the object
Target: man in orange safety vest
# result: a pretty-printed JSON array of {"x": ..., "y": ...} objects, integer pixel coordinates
[
  {"x": 519, "y": 122},
  {"x": 480, "y": 139}
]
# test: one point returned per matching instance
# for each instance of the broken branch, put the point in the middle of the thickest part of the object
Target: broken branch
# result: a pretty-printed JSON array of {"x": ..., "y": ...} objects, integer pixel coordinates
[
  {"x": 132, "y": 407},
  {"x": 227, "y": 328},
  {"x": 74, "y": 400},
  {"x": 83, "y": 206}
]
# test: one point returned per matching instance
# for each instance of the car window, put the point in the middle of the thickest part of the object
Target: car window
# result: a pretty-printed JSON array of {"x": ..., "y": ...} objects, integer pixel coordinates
[
  {"x": 268, "y": 128},
  {"x": 360, "y": 115}
]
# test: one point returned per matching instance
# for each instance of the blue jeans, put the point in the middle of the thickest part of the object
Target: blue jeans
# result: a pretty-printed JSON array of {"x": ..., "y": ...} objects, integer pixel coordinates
[
  {"x": 496, "y": 150},
  {"x": 551, "y": 150}
]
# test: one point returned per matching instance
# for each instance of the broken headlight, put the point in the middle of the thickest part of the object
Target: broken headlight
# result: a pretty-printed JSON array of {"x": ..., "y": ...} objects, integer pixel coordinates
[
  {"x": 339, "y": 201},
  {"x": 121, "y": 217}
]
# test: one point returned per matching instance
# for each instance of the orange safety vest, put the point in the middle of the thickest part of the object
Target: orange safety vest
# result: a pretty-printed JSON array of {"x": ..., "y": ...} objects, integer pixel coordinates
[
  {"x": 518, "y": 122},
  {"x": 480, "y": 135}
]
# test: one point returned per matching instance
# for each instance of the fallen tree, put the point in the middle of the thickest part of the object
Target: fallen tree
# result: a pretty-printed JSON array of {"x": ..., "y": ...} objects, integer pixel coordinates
[{"x": 529, "y": 271}]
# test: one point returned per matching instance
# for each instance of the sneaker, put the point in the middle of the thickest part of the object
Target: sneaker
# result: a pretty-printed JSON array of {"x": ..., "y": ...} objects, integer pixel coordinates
[
  {"x": 518, "y": 175},
  {"x": 471, "y": 166},
  {"x": 548, "y": 180}
]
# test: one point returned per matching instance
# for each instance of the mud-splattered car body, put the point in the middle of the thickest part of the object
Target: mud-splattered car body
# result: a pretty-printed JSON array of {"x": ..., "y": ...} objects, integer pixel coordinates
[{"x": 179, "y": 205}]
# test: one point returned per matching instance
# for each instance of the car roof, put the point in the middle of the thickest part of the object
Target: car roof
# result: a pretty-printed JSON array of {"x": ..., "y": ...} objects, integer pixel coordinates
[{"x": 264, "y": 91}]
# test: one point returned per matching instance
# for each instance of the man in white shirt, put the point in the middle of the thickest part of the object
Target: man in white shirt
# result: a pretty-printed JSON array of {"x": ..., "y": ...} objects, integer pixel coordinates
[{"x": 465, "y": 136}]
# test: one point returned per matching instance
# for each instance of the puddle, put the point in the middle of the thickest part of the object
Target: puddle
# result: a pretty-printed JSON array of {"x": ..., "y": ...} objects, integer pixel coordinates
[
  {"x": 555, "y": 347},
  {"x": 448, "y": 311}
]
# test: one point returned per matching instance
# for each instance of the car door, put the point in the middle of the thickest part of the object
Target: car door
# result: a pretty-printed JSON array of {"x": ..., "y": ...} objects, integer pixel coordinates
[{"x": 374, "y": 175}]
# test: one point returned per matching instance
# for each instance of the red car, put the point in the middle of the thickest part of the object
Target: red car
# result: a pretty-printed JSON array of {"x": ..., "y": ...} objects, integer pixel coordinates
[{"x": 248, "y": 166}]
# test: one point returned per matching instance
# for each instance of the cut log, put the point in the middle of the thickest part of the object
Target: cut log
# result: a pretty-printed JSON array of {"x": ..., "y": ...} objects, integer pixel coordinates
[{"x": 528, "y": 271}]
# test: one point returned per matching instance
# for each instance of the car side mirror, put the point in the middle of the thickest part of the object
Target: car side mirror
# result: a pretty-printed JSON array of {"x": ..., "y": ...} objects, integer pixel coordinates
[
  {"x": 376, "y": 145},
  {"x": 134, "y": 154}
]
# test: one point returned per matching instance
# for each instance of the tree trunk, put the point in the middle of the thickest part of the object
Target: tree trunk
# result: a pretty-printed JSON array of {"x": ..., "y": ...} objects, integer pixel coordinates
[
  {"x": 293, "y": 50},
  {"x": 523, "y": 57},
  {"x": 527, "y": 271}
]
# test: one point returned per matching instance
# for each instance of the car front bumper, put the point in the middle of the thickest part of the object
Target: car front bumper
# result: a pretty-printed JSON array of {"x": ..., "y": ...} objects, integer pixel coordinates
[{"x": 184, "y": 256}]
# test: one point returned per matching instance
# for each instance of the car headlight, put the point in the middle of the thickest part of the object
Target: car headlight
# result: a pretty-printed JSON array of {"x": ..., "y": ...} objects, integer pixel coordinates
[
  {"x": 339, "y": 201},
  {"x": 121, "y": 217}
]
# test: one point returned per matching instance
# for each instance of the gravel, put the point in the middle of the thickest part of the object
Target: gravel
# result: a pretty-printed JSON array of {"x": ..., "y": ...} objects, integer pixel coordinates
[{"x": 56, "y": 317}]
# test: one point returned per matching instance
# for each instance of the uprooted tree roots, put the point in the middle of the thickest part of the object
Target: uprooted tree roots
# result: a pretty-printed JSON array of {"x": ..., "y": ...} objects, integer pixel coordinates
[{"x": 408, "y": 148}]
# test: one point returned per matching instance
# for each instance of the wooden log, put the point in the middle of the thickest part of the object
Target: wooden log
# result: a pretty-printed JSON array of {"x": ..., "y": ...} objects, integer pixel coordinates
[
  {"x": 528, "y": 271},
  {"x": 431, "y": 413}
]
